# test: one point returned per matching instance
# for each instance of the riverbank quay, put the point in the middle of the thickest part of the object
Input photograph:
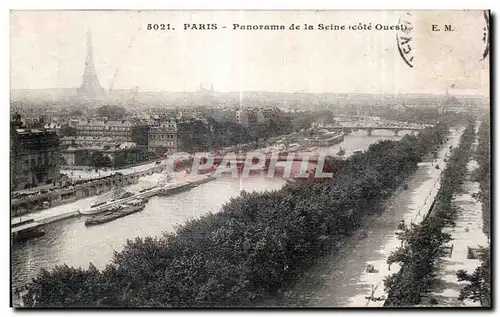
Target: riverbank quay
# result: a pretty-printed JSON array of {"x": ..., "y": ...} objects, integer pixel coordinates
[
  {"x": 84, "y": 184},
  {"x": 83, "y": 173},
  {"x": 340, "y": 278},
  {"x": 72, "y": 210},
  {"x": 257, "y": 242},
  {"x": 422, "y": 246},
  {"x": 467, "y": 238}
]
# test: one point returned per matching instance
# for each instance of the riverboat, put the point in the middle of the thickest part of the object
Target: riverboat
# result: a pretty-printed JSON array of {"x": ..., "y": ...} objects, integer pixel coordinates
[
  {"x": 97, "y": 210},
  {"x": 98, "y": 204},
  {"x": 147, "y": 189},
  {"x": 179, "y": 189},
  {"x": 341, "y": 152},
  {"x": 26, "y": 230},
  {"x": 138, "y": 202},
  {"x": 28, "y": 234},
  {"x": 122, "y": 211},
  {"x": 208, "y": 170},
  {"x": 328, "y": 141},
  {"x": 294, "y": 147},
  {"x": 125, "y": 195}
]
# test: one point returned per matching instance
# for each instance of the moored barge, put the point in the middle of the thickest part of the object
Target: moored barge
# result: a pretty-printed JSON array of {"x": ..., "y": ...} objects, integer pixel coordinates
[
  {"x": 26, "y": 230},
  {"x": 122, "y": 211}
]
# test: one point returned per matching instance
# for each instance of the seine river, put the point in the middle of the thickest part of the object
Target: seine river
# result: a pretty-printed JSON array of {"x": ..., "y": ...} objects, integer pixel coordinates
[{"x": 71, "y": 242}]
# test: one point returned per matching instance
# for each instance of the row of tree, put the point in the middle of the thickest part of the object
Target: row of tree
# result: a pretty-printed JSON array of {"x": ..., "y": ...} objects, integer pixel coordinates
[
  {"x": 478, "y": 283},
  {"x": 427, "y": 115},
  {"x": 121, "y": 159},
  {"x": 423, "y": 245},
  {"x": 254, "y": 247},
  {"x": 195, "y": 135},
  {"x": 483, "y": 173}
]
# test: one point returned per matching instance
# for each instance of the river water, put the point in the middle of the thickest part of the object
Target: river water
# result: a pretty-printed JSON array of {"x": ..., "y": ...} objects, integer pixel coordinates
[{"x": 71, "y": 242}]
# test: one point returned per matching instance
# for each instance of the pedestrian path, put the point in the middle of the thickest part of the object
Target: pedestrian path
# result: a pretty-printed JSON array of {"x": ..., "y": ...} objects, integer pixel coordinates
[
  {"x": 423, "y": 197},
  {"x": 345, "y": 279},
  {"x": 71, "y": 209},
  {"x": 467, "y": 233}
]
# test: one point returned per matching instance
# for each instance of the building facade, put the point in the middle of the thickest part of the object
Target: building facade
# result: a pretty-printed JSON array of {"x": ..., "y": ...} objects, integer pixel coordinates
[
  {"x": 250, "y": 117},
  {"x": 104, "y": 155},
  {"x": 34, "y": 157},
  {"x": 266, "y": 114},
  {"x": 253, "y": 117},
  {"x": 163, "y": 135},
  {"x": 118, "y": 130},
  {"x": 242, "y": 117}
]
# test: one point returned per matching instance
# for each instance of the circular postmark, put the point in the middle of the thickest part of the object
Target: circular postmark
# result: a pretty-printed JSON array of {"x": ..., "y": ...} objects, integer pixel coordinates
[
  {"x": 486, "y": 34},
  {"x": 404, "y": 38}
]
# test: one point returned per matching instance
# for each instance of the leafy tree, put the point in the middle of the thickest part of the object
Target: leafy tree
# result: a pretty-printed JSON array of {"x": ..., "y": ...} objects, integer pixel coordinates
[
  {"x": 97, "y": 159},
  {"x": 120, "y": 159},
  {"x": 478, "y": 286},
  {"x": 255, "y": 245},
  {"x": 483, "y": 173},
  {"x": 423, "y": 245}
]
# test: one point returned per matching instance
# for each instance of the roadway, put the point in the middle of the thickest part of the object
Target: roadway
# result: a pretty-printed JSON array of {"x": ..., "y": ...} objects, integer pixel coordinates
[{"x": 340, "y": 279}]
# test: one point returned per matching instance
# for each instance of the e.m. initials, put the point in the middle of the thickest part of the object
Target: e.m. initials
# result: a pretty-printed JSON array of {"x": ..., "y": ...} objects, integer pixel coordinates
[{"x": 438, "y": 28}]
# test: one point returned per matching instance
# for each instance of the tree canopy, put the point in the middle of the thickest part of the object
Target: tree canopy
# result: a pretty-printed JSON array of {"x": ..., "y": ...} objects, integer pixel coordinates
[{"x": 252, "y": 248}]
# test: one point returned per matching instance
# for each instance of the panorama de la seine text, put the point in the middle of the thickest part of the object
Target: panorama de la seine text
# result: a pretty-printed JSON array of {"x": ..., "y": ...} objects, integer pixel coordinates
[{"x": 276, "y": 27}]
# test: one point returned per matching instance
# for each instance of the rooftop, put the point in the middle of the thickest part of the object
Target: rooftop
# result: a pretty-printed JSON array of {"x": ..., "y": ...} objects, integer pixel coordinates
[
  {"x": 25, "y": 131},
  {"x": 125, "y": 123}
]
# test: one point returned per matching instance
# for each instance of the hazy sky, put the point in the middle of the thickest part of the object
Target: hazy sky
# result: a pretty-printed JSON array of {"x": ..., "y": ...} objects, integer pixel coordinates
[{"x": 48, "y": 51}]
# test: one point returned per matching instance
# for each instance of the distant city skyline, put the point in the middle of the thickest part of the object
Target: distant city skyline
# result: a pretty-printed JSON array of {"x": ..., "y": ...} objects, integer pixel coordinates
[{"x": 49, "y": 52}]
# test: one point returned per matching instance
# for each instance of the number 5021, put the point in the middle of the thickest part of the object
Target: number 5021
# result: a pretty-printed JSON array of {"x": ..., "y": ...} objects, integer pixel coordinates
[{"x": 160, "y": 27}]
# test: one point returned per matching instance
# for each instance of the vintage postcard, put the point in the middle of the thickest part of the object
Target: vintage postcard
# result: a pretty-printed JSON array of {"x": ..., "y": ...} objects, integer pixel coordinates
[{"x": 226, "y": 159}]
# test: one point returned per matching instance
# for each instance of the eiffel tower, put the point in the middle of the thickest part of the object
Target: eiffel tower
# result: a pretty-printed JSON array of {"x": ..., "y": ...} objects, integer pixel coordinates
[{"x": 90, "y": 87}]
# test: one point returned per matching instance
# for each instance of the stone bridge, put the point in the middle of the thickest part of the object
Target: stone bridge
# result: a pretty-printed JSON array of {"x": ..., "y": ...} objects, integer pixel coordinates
[{"x": 370, "y": 129}]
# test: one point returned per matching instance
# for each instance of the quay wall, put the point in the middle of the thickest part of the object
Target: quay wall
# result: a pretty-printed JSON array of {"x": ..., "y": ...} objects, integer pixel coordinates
[
  {"x": 75, "y": 213},
  {"x": 61, "y": 196},
  {"x": 59, "y": 217}
]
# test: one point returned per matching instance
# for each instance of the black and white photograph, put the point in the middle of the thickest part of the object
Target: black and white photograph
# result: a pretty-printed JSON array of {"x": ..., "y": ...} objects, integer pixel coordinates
[{"x": 250, "y": 159}]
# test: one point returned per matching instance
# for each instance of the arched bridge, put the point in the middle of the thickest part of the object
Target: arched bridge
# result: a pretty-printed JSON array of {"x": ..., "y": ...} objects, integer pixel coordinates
[{"x": 370, "y": 129}]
